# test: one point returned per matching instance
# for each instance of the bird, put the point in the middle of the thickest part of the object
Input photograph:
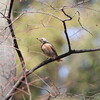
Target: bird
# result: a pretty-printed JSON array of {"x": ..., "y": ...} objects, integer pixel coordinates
[{"x": 48, "y": 48}]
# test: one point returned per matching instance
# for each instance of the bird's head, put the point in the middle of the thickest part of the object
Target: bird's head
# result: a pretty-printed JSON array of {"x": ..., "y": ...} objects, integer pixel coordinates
[{"x": 42, "y": 40}]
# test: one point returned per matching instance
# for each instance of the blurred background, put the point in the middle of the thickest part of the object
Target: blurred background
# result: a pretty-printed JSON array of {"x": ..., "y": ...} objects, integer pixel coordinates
[{"x": 77, "y": 77}]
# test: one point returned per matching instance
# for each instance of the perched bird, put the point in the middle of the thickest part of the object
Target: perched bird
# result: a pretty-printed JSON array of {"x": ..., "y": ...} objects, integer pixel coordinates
[{"x": 48, "y": 49}]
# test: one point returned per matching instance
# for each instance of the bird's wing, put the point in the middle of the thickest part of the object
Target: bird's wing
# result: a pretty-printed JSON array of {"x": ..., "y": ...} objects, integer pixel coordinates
[{"x": 52, "y": 47}]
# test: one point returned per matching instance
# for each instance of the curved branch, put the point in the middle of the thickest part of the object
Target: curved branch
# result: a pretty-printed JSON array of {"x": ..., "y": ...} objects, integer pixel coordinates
[
  {"x": 14, "y": 37},
  {"x": 22, "y": 78},
  {"x": 70, "y": 18},
  {"x": 65, "y": 31},
  {"x": 65, "y": 28}
]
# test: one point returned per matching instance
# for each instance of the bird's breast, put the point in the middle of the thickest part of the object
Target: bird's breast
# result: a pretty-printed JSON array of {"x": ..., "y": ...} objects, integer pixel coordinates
[{"x": 47, "y": 49}]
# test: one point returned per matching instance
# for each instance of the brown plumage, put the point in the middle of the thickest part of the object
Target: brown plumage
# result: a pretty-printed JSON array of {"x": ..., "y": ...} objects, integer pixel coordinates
[{"x": 48, "y": 49}]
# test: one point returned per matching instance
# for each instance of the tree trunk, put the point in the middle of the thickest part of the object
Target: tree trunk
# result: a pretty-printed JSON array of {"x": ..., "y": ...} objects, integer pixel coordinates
[{"x": 7, "y": 52}]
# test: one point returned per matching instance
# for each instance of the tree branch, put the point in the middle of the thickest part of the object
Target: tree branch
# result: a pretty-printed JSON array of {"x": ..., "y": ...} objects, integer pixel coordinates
[
  {"x": 81, "y": 24},
  {"x": 65, "y": 28},
  {"x": 17, "y": 48},
  {"x": 10, "y": 8},
  {"x": 22, "y": 78},
  {"x": 70, "y": 52},
  {"x": 65, "y": 31},
  {"x": 16, "y": 44},
  {"x": 14, "y": 37},
  {"x": 70, "y": 18}
]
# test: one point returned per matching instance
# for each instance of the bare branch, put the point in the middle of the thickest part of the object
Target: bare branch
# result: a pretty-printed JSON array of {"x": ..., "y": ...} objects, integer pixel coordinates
[
  {"x": 70, "y": 52},
  {"x": 9, "y": 25},
  {"x": 70, "y": 18},
  {"x": 80, "y": 3},
  {"x": 16, "y": 45},
  {"x": 14, "y": 37},
  {"x": 10, "y": 8},
  {"x": 22, "y": 78},
  {"x": 65, "y": 28},
  {"x": 81, "y": 24},
  {"x": 65, "y": 31}
]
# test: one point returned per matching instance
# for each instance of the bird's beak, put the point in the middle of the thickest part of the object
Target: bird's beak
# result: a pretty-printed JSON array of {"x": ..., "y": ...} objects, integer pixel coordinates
[{"x": 38, "y": 39}]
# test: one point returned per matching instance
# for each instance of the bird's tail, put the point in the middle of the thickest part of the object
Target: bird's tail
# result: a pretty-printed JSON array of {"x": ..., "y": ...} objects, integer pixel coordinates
[{"x": 59, "y": 60}]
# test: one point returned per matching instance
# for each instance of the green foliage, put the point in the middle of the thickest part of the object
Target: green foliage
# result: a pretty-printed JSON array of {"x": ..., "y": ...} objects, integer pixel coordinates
[{"x": 84, "y": 73}]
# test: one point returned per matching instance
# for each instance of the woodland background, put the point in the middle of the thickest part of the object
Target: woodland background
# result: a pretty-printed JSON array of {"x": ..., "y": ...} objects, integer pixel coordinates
[{"x": 77, "y": 76}]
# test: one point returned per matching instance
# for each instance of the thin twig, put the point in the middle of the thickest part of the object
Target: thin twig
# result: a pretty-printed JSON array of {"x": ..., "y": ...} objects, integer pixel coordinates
[
  {"x": 16, "y": 45},
  {"x": 70, "y": 18},
  {"x": 42, "y": 80},
  {"x": 81, "y": 24},
  {"x": 80, "y": 3},
  {"x": 45, "y": 13},
  {"x": 22, "y": 78},
  {"x": 70, "y": 52},
  {"x": 14, "y": 37},
  {"x": 9, "y": 25},
  {"x": 65, "y": 28}
]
